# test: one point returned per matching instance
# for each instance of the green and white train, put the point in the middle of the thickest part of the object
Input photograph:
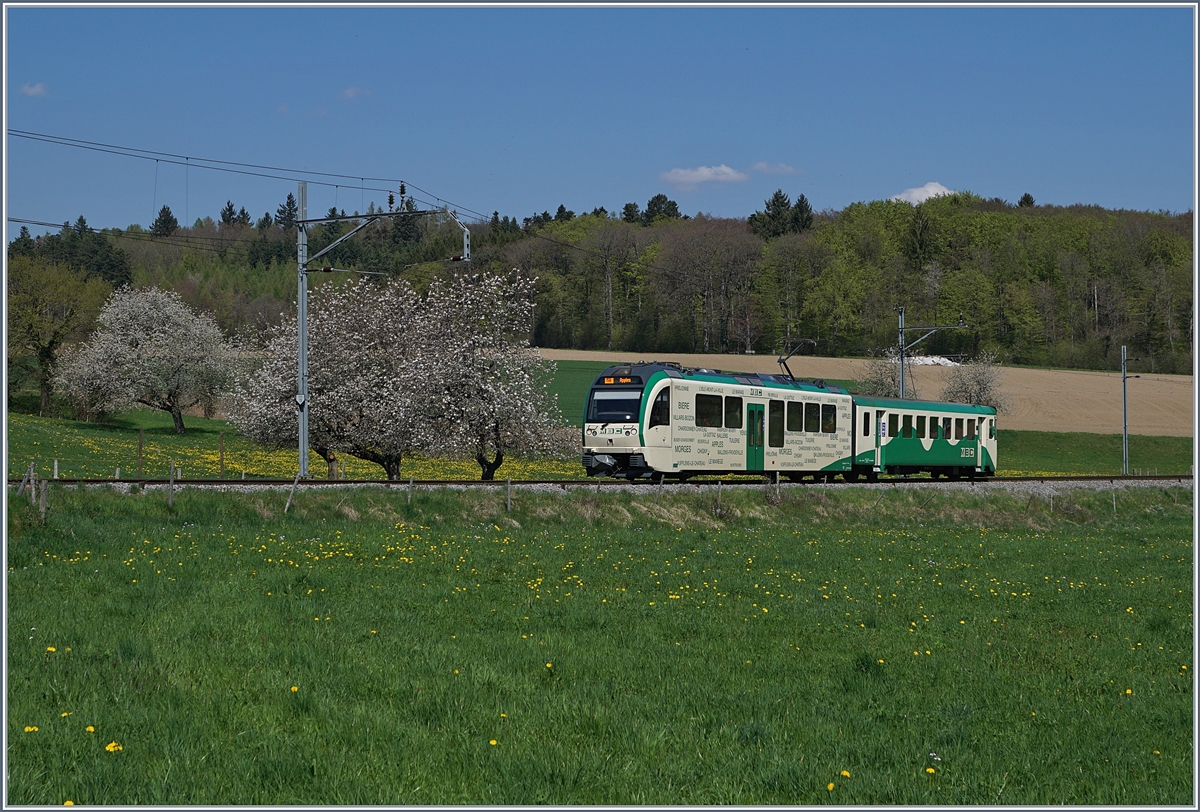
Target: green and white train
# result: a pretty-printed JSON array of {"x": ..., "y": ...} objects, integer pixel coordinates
[{"x": 655, "y": 420}]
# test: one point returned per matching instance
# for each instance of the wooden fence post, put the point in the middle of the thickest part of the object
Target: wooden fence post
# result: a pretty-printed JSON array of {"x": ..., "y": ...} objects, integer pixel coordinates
[
  {"x": 42, "y": 506},
  {"x": 140, "y": 438},
  {"x": 293, "y": 493},
  {"x": 508, "y": 501}
]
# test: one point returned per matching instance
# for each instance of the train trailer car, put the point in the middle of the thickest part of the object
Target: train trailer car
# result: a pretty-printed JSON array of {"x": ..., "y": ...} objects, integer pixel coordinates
[
  {"x": 653, "y": 420},
  {"x": 913, "y": 436}
]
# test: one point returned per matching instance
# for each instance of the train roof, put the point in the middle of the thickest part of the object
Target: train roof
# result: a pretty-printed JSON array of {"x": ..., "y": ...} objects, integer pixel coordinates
[
  {"x": 640, "y": 373},
  {"x": 931, "y": 405}
]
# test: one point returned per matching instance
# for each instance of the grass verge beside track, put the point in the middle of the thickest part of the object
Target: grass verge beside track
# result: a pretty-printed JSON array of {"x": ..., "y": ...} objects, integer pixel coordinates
[
  {"x": 854, "y": 646},
  {"x": 91, "y": 450}
]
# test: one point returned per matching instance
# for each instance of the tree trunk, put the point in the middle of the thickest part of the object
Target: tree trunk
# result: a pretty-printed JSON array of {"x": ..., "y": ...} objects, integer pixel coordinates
[
  {"x": 177, "y": 416},
  {"x": 391, "y": 466},
  {"x": 489, "y": 468}
]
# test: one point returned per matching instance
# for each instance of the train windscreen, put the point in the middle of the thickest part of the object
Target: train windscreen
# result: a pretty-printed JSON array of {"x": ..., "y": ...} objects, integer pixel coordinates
[{"x": 614, "y": 406}]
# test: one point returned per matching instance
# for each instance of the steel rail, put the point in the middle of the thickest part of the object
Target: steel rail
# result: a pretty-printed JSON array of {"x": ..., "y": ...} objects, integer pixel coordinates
[{"x": 749, "y": 480}]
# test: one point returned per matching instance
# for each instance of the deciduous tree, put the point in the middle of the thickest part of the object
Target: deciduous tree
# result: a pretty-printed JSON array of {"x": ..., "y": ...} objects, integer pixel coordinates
[
  {"x": 47, "y": 305},
  {"x": 150, "y": 349}
]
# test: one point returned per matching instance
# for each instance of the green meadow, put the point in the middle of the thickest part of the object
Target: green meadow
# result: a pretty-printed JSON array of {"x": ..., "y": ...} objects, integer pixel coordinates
[{"x": 848, "y": 645}]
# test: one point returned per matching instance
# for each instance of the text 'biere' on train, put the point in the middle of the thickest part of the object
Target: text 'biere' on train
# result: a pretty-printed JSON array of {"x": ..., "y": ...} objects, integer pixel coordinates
[{"x": 655, "y": 420}]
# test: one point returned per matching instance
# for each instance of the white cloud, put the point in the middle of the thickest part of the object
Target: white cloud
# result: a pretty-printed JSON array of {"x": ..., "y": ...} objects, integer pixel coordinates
[
  {"x": 922, "y": 193},
  {"x": 34, "y": 90},
  {"x": 352, "y": 92},
  {"x": 774, "y": 169},
  {"x": 689, "y": 179}
]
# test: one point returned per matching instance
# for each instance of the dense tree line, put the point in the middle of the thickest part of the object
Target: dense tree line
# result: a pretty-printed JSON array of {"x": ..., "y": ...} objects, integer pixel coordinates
[{"x": 1037, "y": 284}]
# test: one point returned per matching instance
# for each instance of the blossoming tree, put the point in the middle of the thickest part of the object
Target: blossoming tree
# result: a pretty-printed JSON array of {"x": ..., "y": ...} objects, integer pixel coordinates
[{"x": 149, "y": 348}]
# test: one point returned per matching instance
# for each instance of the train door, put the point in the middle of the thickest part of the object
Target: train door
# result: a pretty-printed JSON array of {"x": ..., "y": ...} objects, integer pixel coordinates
[
  {"x": 880, "y": 432},
  {"x": 754, "y": 437},
  {"x": 657, "y": 433}
]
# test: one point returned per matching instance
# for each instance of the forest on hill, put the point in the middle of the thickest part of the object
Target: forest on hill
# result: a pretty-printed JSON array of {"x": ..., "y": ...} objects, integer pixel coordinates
[{"x": 1037, "y": 284}]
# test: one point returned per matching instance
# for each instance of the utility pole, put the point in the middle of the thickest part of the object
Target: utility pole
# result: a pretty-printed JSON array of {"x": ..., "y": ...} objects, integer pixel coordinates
[
  {"x": 302, "y": 323},
  {"x": 1125, "y": 414},
  {"x": 904, "y": 349},
  {"x": 302, "y": 257}
]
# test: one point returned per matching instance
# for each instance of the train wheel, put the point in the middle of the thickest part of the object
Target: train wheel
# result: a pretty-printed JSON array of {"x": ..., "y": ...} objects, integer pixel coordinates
[
  {"x": 850, "y": 476},
  {"x": 872, "y": 476}
]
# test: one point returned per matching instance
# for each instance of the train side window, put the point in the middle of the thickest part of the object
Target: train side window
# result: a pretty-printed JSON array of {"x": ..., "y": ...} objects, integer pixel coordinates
[
  {"x": 733, "y": 413},
  {"x": 660, "y": 412},
  {"x": 971, "y": 428},
  {"x": 812, "y": 417},
  {"x": 775, "y": 423},
  {"x": 945, "y": 428},
  {"x": 958, "y": 428},
  {"x": 920, "y": 427},
  {"x": 829, "y": 418},
  {"x": 933, "y": 428},
  {"x": 893, "y": 425},
  {"x": 867, "y": 423},
  {"x": 795, "y": 416},
  {"x": 991, "y": 428},
  {"x": 907, "y": 431},
  {"x": 708, "y": 411}
]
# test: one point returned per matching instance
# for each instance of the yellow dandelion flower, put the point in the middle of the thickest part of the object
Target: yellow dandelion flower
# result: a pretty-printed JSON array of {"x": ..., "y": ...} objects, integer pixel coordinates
[
  {"x": 90, "y": 729},
  {"x": 51, "y": 648},
  {"x": 31, "y": 728},
  {"x": 830, "y": 786},
  {"x": 492, "y": 742},
  {"x": 65, "y": 713},
  {"x": 930, "y": 770},
  {"x": 1128, "y": 690},
  {"x": 549, "y": 665},
  {"x": 845, "y": 773},
  {"x": 295, "y": 688},
  {"x": 68, "y": 803},
  {"x": 113, "y": 747}
]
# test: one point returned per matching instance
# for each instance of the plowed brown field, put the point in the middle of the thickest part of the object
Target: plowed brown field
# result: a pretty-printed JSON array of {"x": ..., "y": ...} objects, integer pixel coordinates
[{"x": 1039, "y": 399}]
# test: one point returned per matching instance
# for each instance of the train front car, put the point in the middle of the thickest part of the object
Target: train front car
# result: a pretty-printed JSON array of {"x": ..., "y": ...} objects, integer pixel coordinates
[{"x": 659, "y": 419}]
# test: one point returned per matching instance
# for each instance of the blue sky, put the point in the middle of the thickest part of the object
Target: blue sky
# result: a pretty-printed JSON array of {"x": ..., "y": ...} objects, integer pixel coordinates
[{"x": 521, "y": 109}]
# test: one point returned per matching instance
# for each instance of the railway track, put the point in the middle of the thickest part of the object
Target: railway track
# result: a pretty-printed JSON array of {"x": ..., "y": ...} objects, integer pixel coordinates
[{"x": 602, "y": 483}]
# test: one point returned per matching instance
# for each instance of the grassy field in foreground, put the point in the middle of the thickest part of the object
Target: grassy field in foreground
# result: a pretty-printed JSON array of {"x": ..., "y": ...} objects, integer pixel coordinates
[
  {"x": 91, "y": 450},
  {"x": 844, "y": 646}
]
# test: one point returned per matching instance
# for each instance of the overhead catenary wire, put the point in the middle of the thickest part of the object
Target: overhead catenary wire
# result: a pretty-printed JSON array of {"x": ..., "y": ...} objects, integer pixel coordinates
[
  {"x": 189, "y": 161},
  {"x": 224, "y": 166}
]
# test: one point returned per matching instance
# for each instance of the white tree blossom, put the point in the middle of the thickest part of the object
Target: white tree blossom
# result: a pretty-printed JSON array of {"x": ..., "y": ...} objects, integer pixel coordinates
[
  {"x": 149, "y": 348},
  {"x": 363, "y": 377},
  {"x": 488, "y": 392},
  {"x": 977, "y": 381},
  {"x": 391, "y": 373}
]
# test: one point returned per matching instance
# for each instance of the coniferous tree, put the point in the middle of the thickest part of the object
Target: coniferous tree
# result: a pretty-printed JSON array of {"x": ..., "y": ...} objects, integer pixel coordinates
[
  {"x": 632, "y": 213},
  {"x": 165, "y": 223},
  {"x": 1026, "y": 201},
  {"x": 264, "y": 222},
  {"x": 23, "y": 245},
  {"x": 228, "y": 214},
  {"x": 287, "y": 213},
  {"x": 243, "y": 217},
  {"x": 660, "y": 207}
]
